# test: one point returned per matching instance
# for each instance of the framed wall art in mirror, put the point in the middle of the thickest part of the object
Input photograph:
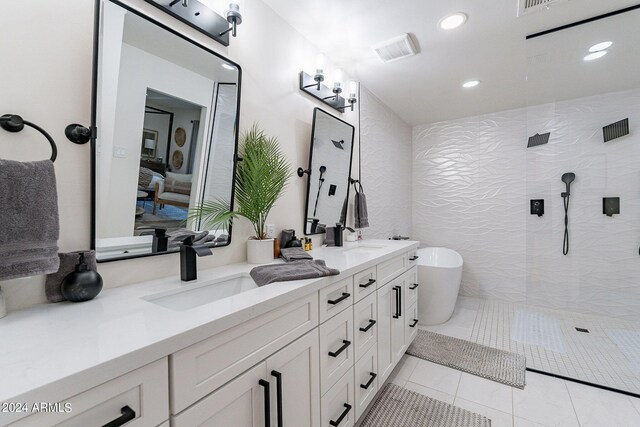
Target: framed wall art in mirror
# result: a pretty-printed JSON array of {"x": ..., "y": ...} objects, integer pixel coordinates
[
  {"x": 330, "y": 157},
  {"x": 166, "y": 114}
]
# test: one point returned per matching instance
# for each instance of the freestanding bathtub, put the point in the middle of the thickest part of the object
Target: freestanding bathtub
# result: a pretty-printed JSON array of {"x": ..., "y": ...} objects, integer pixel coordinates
[{"x": 439, "y": 276}]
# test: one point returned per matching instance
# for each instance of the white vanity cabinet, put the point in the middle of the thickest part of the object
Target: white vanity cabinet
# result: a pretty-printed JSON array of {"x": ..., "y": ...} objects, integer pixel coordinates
[
  {"x": 137, "y": 399},
  {"x": 285, "y": 387},
  {"x": 315, "y": 361}
]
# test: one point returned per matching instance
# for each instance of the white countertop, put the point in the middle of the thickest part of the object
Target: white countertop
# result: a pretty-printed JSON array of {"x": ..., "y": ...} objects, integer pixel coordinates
[{"x": 49, "y": 351}]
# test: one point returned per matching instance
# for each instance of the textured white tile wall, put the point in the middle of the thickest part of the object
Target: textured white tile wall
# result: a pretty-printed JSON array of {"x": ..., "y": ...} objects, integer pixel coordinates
[
  {"x": 474, "y": 177},
  {"x": 386, "y": 168}
]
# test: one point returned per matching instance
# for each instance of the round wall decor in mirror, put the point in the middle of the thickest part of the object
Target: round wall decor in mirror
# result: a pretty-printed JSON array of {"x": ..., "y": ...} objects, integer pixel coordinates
[
  {"x": 180, "y": 137},
  {"x": 177, "y": 159},
  {"x": 153, "y": 168}
]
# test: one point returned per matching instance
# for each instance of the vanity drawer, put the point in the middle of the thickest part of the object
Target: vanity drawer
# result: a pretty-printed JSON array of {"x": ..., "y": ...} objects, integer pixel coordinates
[
  {"x": 335, "y": 298},
  {"x": 365, "y": 328},
  {"x": 391, "y": 269},
  {"x": 145, "y": 391},
  {"x": 411, "y": 324},
  {"x": 336, "y": 348},
  {"x": 338, "y": 404},
  {"x": 366, "y": 380},
  {"x": 411, "y": 294},
  {"x": 203, "y": 367},
  {"x": 364, "y": 283}
]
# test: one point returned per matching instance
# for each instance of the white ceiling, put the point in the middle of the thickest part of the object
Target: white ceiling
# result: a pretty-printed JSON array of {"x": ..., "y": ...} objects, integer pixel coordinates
[{"x": 490, "y": 47}]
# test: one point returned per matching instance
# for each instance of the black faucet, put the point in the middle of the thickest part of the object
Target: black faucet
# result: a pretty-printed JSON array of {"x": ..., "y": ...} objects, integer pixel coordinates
[{"x": 188, "y": 253}]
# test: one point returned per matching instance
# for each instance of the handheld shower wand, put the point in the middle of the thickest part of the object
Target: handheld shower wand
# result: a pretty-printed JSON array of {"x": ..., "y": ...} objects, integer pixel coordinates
[
  {"x": 323, "y": 169},
  {"x": 567, "y": 178}
]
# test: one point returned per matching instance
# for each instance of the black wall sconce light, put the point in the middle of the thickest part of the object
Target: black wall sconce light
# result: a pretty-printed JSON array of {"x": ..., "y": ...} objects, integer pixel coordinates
[
  {"x": 313, "y": 85},
  {"x": 197, "y": 15}
]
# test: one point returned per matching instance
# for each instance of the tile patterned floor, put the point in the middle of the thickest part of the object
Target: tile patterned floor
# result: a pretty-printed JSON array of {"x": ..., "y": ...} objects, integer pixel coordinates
[
  {"x": 609, "y": 354},
  {"x": 545, "y": 401}
]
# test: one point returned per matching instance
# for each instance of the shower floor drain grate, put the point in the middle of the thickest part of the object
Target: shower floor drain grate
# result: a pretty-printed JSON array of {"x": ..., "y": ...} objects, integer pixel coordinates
[{"x": 582, "y": 330}]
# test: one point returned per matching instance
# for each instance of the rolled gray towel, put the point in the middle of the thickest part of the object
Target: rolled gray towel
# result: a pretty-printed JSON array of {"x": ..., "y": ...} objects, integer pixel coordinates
[
  {"x": 29, "y": 227},
  {"x": 298, "y": 270},
  {"x": 294, "y": 254},
  {"x": 68, "y": 262}
]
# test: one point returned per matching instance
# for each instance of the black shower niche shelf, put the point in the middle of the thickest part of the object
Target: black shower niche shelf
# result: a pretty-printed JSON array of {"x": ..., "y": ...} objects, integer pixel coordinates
[{"x": 611, "y": 206}]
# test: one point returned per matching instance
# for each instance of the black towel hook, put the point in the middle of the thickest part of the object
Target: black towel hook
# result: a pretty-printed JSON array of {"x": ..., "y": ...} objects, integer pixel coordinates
[{"x": 14, "y": 123}]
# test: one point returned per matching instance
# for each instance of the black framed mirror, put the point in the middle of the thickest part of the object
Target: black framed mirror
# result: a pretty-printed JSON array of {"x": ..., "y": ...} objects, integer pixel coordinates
[
  {"x": 328, "y": 178},
  {"x": 166, "y": 111}
]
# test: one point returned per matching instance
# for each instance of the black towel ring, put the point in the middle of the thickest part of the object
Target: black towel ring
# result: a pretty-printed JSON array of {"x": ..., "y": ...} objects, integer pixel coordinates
[{"x": 15, "y": 123}]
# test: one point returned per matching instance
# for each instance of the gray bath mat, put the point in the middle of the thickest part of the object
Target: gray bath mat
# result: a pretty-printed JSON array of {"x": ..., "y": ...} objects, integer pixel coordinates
[
  {"x": 399, "y": 407},
  {"x": 487, "y": 362}
]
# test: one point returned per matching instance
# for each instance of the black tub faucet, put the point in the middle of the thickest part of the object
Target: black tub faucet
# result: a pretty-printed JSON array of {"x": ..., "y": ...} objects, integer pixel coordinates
[{"x": 188, "y": 254}]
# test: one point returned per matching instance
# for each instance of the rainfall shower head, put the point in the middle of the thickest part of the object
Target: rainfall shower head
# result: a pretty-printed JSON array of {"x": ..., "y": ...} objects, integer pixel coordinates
[
  {"x": 568, "y": 178},
  {"x": 338, "y": 144}
]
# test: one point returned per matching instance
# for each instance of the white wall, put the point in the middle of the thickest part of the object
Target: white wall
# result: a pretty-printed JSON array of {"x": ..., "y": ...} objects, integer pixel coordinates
[
  {"x": 53, "y": 89},
  {"x": 474, "y": 177},
  {"x": 386, "y": 168}
]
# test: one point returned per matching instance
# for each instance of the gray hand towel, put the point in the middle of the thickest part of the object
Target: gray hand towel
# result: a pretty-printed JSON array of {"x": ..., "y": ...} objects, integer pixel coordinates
[
  {"x": 298, "y": 270},
  {"x": 176, "y": 237},
  {"x": 361, "y": 214},
  {"x": 29, "y": 227},
  {"x": 68, "y": 262},
  {"x": 294, "y": 254}
]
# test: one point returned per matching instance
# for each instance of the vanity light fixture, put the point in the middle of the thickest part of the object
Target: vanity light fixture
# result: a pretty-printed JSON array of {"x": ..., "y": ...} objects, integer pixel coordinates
[
  {"x": 353, "y": 92},
  {"x": 234, "y": 18},
  {"x": 312, "y": 86},
  {"x": 318, "y": 77},
  {"x": 201, "y": 17},
  {"x": 595, "y": 55},
  {"x": 453, "y": 21},
  {"x": 600, "y": 46},
  {"x": 470, "y": 84},
  {"x": 337, "y": 84}
]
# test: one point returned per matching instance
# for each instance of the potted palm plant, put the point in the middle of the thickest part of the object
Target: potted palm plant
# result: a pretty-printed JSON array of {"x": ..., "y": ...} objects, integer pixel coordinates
[{"x": 261, "y": 177}]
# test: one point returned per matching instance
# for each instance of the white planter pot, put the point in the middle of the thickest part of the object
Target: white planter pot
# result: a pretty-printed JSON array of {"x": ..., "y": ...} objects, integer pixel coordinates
[{"x": 260, "y": 251}]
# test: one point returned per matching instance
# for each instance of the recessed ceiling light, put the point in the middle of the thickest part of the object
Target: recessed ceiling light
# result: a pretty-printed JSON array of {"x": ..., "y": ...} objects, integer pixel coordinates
[
  {"x": 228, "y": 67},
  {"x": 471, "y": 83},
  {"x": 600, "y": 46},
  {"x": 595, "y": 55},
  {"x": 453, "y": 21}
]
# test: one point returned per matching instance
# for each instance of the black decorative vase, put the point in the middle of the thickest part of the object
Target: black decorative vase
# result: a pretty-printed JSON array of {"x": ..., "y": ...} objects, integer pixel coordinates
[{"x": 82, "y": 284}]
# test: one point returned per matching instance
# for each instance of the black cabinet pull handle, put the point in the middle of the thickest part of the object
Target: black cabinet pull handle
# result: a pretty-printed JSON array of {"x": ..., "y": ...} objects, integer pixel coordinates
[
  {"x": 373, "y": 377},
  {"x": 369, "y": 283},
  {"x": 369, "y": 326},
  {"x": 344, "y": 296},
  {"x": 413, "y": 325},
  {"x": 400, "y": 301},
  {"x": 345, "y": 344},
  {"x": 413, "y": 258},
  {"x": 337, "y": 422},
  {"x": 414, "y": 286},
  {"x": 127, "y": 415},
  {"x": 278, "y": 376},
  {"x": 267, "y": 403},
  {"x": 396, "y": 289}
]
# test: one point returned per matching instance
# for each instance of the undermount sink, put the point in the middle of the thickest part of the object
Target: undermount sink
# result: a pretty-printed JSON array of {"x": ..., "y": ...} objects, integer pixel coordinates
[{"x": 191, "y": 296}]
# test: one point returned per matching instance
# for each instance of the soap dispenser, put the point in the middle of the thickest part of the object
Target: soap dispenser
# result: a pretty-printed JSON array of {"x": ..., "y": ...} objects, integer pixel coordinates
[
  {"x": 82, "y": 284},
  {"x": 338, "y": 234}
]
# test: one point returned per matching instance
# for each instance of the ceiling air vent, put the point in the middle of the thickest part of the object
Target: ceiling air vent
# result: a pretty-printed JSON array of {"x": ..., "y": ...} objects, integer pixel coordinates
[
  {"x": 396, "y": 48},
  {"x": 529, "y": 6}
]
